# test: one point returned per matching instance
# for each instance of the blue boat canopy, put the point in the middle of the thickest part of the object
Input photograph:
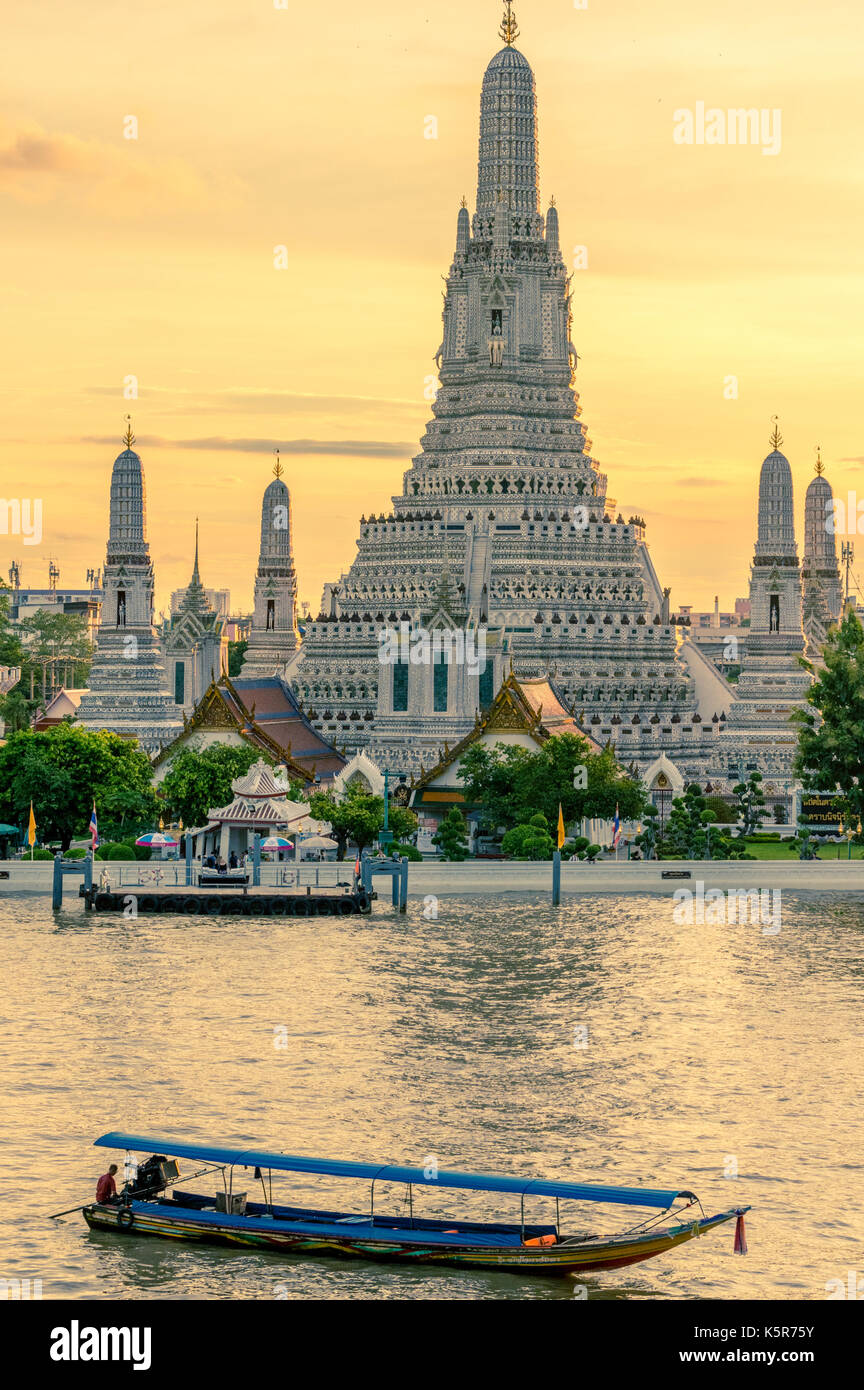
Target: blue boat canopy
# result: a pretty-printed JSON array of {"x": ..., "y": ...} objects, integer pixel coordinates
[{"x": 376, "y": 1172}]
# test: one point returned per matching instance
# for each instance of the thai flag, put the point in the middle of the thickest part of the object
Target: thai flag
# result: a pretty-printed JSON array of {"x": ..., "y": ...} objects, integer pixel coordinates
[
  {"x": 616, "y": 829},
  {"x": 94, "y": 829}
]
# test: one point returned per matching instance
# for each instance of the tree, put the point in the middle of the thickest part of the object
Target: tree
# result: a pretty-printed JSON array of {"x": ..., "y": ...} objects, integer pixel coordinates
[
  {"x": 690, "y": 833},
  {"x": 63, "y": 770},
  {"x": 236, "y": 653},
  {"x": 16, "y": 710},
  {"x": 510, "y": 783},
  {"x": 199, "y": 780},
  {"x": 831, "y": 733},
  {"x": 451, "y": 837},
  {"x": 529, "y": 841},
  {"x": 649, "y": 836},
  {"x": 805, "y": 842},
  {"x": 751, "y": 803},
  {"x": 56, "y": 651},
  {"x": 359, "y": 816}
]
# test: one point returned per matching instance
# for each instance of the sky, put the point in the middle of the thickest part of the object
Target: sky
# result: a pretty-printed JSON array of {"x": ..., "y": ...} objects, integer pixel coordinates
[{"x": 150, "y": 264}]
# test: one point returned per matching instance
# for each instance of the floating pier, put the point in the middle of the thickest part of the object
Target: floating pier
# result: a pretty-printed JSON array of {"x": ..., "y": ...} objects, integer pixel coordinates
[{"x": 203, "y": 902}]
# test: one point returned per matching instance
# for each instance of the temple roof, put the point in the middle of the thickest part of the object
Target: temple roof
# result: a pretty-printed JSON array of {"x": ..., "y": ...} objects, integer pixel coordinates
[
  {"x": 264, "y": 711},
  {"x": 533, "y": 707}
]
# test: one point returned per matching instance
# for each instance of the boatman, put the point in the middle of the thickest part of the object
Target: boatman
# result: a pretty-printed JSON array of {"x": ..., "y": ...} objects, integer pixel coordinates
[{"x": 106, "y": 1188}]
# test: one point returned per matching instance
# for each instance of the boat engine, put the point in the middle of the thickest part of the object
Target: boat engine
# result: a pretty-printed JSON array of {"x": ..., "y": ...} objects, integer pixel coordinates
[{"x": 152, "y": 1177}]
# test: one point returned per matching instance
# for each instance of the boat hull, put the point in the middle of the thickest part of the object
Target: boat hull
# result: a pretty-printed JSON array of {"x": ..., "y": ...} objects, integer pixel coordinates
[{"x": 296, "y": 1238}]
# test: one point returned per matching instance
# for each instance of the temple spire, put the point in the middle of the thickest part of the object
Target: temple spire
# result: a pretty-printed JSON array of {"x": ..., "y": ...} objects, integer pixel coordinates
[
  {"x": 508, "y": 130},
  {"x": 776, "y": 439},
  {"x": 195, "y": 574},
  {"x": 509, "y": 30},
  {"x": 820, "y": 467},
  {"x": 128, "y": 438},
  {"x": 278, "y": 470}
]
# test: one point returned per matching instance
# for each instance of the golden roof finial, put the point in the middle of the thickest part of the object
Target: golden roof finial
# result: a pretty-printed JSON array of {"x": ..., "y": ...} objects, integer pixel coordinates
[
  {"x": 776, "y": 439},
  {"x": 278, "y": 470},
  {"x": 464, "y": 202},
  {"x": 820, "y": 467},
  {"x": 128, "y": 438},
  {"x": 552, "y": 202},
  {"x": 509, "y": 30}
]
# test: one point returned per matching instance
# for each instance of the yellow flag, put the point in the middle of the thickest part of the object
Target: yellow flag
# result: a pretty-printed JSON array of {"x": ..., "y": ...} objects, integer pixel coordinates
[
  {"x": 31, "y": 831},
  {"x": 562, "y": 834}
]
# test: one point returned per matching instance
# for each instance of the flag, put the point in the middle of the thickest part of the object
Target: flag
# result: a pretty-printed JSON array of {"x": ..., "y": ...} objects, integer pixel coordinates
[
  {"x": 31, "y": 829},
  {"x": 562, "y": 834},
  {"x": 94, "y": 829},
  {"x": 616, "y": 829}
]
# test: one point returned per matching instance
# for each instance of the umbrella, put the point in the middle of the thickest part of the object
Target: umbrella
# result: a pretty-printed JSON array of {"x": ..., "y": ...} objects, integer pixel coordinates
[
  {"x": 276, "y": 842},
  {"x": 318, "y": 842},
  {"x": 155, "y": 838}
]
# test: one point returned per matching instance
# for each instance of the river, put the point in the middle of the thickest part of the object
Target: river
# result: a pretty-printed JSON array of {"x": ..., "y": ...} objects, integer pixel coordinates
[{"x": 711, "y": 1051}]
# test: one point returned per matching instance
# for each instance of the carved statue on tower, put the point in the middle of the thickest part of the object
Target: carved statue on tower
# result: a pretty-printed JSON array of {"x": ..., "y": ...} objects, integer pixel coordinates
[{"x": 496, "y": 347}]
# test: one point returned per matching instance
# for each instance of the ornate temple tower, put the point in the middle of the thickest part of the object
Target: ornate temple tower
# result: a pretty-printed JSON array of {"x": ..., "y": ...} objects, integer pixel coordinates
[
  {"x": 128, "y": 689},
  {"x": 195, "y": 644},
  {"x": 823, "y": 592},
  {"x": 274, "y": 633},
  {"x": 505, "y": 494},
  {"x": 772, "y": 684}
]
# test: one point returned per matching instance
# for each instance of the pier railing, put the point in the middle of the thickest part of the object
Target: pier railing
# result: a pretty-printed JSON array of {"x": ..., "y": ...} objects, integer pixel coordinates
[{"x": 172, "y": 874}]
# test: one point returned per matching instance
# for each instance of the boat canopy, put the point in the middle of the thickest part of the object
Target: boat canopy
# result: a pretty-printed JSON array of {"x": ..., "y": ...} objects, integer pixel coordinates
[{"x": 376, "y": 1172}]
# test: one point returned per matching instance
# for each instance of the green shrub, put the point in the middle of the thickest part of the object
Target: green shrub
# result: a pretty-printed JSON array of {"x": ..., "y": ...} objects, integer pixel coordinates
[
  {"x": 592, "y": 851},
  {"x": 531, "y": 841},
  {"x": 723, "y": 813},
  {"x": 115, "y": 851},
  {"x": 142, "y": 851},
  {"x": 409, "y": 852},
  {"x": 75, "y": 854},
  {"x": 572, "y": 849},
  {"x": 40, "y": 854}
]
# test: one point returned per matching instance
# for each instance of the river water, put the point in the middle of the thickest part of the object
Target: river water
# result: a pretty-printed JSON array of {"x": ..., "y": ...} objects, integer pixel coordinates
[{"x": 710, "y": 1050}]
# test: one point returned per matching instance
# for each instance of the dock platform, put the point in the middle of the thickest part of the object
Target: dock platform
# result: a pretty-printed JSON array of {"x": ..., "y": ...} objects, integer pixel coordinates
[{"x": 262, "y": 901}]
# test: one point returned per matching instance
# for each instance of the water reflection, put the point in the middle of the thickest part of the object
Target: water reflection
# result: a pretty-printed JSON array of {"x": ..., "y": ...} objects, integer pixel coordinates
[{"x": 708, "y": 1048}]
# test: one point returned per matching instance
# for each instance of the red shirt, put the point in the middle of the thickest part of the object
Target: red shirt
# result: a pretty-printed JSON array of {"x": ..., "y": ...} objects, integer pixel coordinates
[{"x": 105, "y": 1188}]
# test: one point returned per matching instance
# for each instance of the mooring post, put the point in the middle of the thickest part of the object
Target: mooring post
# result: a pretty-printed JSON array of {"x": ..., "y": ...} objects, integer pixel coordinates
[
  {"x": 394, "y": 883},
  {"x": 403, "y": 885},
  {"x": 256, "y": 860},
  {"x": 188, "y": 861},
  {"x": 556, "y": 878},
  {"x": 57, "y": 886},
  {"x": 366, "y": 871},
  {"x": 88, "y": 873}
]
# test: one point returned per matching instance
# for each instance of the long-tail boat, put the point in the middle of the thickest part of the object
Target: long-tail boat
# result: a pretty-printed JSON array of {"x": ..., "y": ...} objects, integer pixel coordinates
[{"x": 144, "y": 1207}]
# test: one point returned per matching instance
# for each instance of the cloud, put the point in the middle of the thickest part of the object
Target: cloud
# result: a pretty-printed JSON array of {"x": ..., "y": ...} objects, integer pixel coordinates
[
  {"x": 252, "y": 401},
  {"x": 698, "y": 482},
  {"x": 338, "y": 448},
  {"x": 38, "y": 165}
]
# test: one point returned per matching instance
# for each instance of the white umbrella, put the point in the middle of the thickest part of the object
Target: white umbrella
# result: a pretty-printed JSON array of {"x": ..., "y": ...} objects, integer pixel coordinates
[{"x": 318, "y": 842}]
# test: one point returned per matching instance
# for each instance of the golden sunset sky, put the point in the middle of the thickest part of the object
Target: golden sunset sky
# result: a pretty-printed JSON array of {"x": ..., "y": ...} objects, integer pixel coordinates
[{"x": 303, "y": 126}]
